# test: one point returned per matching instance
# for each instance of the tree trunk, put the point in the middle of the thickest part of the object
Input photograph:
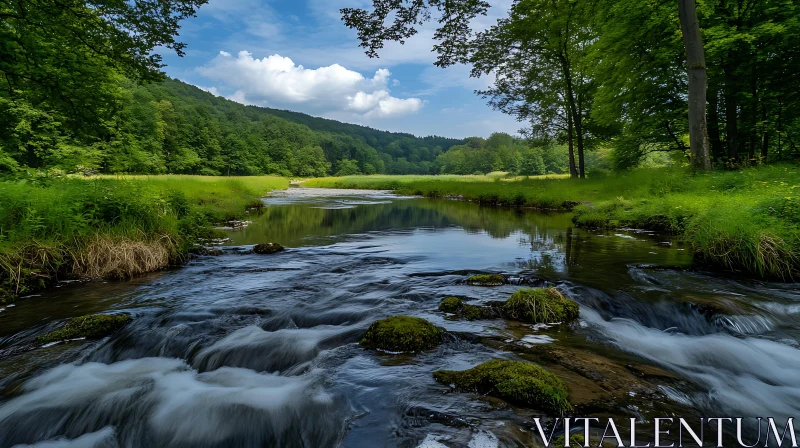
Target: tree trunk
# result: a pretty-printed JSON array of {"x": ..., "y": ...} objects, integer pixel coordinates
[
  {"x": 573, "y": 173},
  {"x": 696, "y": 64}
]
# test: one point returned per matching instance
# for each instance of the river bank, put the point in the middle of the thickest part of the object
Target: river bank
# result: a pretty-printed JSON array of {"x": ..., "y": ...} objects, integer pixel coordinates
[
  {"x": 112, "y": 227},
  {"x": 745, "y": 221}
]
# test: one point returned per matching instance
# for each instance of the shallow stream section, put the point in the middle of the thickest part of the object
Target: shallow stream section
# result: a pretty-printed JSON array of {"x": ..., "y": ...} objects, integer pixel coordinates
[{"x": 262, "y": 350}]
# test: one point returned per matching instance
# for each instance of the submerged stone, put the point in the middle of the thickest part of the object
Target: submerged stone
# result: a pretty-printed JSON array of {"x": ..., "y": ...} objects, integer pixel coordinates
[
  {"x": 93, "y": 326},
  {"x": 486, "y": 280},
  {"x": 543, "y": 305},
  {"x": 402, "y": 334},
  {"x": 518, "y": 382},
  {"x": 267, "y": 248}
]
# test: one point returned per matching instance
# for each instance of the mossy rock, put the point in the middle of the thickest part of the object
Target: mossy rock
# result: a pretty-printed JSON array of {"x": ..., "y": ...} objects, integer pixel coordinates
[
  {"x": 486, "y": 280},
  {"x": 402, "y": 334},
  {"x": 93, "y": 326},
  {"x": 518, "y": 382},
  {"x": 454, "y": 305},
  {"x": 576, "y": 441},
  {"x": 450, "y": 305},
  {"x": 543, "y": 305},
  {"x": 267, "y": 248}
]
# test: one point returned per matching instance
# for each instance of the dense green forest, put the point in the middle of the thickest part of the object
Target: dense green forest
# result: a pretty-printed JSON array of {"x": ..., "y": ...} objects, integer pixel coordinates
[
  {"x": 624, "y": 73},
  {"x": 596, "y": 85},
  {"x": 173, "y": 127}
]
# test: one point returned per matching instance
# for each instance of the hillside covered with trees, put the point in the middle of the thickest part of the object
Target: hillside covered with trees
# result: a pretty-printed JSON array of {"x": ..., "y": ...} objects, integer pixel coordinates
[{"x": 173, "y": 127}]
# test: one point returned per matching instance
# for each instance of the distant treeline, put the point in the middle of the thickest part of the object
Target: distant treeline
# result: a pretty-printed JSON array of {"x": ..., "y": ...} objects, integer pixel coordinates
[{"x": 172, "y": 127}]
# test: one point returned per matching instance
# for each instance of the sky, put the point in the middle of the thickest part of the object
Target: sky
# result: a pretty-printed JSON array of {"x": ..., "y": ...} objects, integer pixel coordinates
[{"x": 298, "y": 55}]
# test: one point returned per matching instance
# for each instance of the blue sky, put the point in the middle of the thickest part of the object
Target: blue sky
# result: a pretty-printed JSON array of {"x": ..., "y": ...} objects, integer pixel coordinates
[{"x": 298, "y": 55}]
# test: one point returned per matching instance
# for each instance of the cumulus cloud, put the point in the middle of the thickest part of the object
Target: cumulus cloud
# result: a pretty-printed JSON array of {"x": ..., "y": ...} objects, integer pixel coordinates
[{"x": 277, "y": 81}]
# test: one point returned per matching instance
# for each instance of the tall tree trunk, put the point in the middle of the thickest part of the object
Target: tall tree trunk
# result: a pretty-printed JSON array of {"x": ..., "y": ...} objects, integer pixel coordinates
[
  {"x": 573, "y": 172},
  {"x": 696, "y": 64},
  {"x": 717, "y": 149}
]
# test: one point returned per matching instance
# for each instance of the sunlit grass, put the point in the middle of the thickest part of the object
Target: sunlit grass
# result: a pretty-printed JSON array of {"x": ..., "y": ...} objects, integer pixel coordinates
[{"x": 112, "y": 225}]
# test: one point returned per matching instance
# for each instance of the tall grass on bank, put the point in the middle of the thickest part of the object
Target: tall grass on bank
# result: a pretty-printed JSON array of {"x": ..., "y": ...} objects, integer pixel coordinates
[
  {"x": 116, "y": 227},
  {"x": 747, "y": 220}
]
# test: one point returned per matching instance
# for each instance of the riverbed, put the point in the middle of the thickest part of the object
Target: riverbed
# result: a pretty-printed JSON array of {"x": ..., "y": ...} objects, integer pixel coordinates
[{"x": 262, "y": 350}]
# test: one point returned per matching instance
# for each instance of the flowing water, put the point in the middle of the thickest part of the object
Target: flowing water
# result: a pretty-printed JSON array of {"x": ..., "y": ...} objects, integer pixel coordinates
[{"x": 262, "y": 350}]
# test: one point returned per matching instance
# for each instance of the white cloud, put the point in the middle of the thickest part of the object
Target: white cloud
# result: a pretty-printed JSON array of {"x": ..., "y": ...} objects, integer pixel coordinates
[{"x": 277, "y": 81}]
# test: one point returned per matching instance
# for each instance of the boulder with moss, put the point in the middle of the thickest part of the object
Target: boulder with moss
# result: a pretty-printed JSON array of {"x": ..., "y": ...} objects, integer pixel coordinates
[
  {"x": 543, "y": 305},
  {"x": 93, "y": 326},
  {"x": 486, "y": 280},
  {"x": 576, "y": 441},
  {"x": 267, "y": 248},
  {"x": 402, "y": 334},
  {"x": 518, "y": 382},
  {"x": 454, "y": 305}
]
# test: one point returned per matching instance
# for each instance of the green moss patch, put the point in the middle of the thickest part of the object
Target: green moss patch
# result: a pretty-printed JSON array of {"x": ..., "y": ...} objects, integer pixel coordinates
[
  {"x": 402, "y": 334},
  {"x": 454, "y": 305},
  {"x": 544, "y": 305},
  {"x": 91, "y": 327},
  {"x": 486, "y": 280},
  {"x": 518, "y": 382},
  {"x": 450, "y": 305},
  {"x": 267, "y": 248}
]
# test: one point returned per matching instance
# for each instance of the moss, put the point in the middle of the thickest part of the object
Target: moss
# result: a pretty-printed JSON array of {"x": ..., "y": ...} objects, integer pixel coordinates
[
  {"x": 450, "y": 305},
  {"x": 518, "y": 382},
  {"x": 454, "y": 305},
  {"x": 544, "y": 305},
  {"x": 267, "y": 248},
  {"x": 474, "y": 312},
  {"x": 576, "y": 441},
  {"x": 402, "y": 334},
  {"x": 91, "y": 327},
  {"x": 486, "y": 280}
]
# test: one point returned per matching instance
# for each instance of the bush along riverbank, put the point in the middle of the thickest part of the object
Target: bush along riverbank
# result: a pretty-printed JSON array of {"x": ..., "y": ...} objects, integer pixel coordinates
[
  {"x": 747, "y": 221},
  {"x": 72, "y": 228}
]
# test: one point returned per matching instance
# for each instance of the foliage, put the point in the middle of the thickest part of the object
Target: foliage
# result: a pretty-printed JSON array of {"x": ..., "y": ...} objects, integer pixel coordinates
[
  {"x": 516, "y": 381},
  {"x": 402, "y": 334},
  {"x": 614, "y": 72}
]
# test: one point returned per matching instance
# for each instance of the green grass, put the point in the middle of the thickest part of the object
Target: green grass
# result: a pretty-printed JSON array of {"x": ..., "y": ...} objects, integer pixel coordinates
[
  {"x": 746, "y": 220},
  {"x": 111, "y": 226}
]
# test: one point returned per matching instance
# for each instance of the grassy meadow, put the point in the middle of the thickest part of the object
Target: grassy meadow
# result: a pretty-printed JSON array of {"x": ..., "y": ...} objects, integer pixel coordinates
[
  {"x": 746, "y": 220},
  {"x": 115, "y": 227}
]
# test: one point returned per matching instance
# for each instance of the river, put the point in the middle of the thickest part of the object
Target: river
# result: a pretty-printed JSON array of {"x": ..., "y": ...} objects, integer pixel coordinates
[{"x": 262, "y": 350}]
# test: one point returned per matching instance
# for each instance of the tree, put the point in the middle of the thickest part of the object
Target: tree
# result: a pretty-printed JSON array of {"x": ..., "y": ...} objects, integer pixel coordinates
[
  {"x": 538, "y": 52},
  {"x": 66, "y": 53},
  {"x": 696, "y": 67},
  {"x": 540, "y": 57}
]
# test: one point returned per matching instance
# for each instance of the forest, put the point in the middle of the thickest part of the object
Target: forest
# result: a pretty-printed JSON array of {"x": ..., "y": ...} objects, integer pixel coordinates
[{"x": 595, "y": 85}]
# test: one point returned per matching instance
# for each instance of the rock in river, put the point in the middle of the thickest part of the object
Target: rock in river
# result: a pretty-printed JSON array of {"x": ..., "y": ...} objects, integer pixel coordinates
[
  {"x": 93, "y": 326},
  {"x": 267, "y": 248},
  {"x": 519, "y": 382},
  {"x": 402, "y": 334}
]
